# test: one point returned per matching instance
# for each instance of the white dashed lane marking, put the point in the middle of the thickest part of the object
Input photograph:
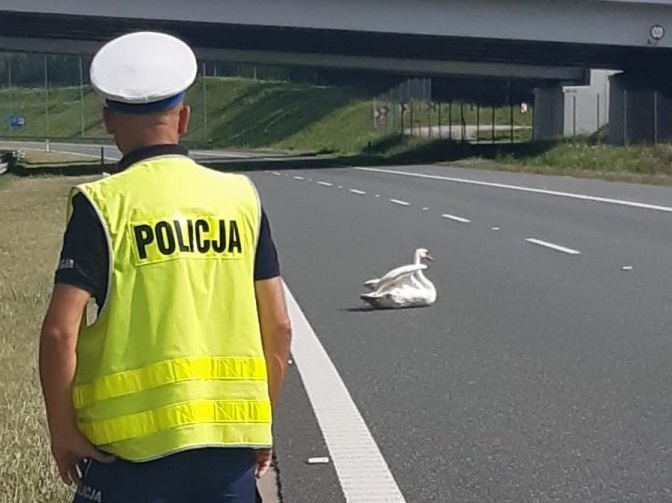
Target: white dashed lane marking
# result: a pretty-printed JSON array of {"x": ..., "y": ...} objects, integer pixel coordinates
[
  {"x": 400, "y": 202},
  {"x": 553, "y": 246},
  {"x": 455, "y": 218},
  {"x": 448, "y": 216}
]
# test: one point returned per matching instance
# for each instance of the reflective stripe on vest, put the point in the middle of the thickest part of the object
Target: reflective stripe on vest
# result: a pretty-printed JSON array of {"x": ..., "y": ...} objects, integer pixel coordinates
[
  {"x": 168, "y": 372},
  {"x": 175, "y": 359},
  {"x": 176, "y": 415}
]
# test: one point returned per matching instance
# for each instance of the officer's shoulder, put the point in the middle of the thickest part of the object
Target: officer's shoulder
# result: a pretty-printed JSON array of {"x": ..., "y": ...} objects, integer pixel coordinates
[
  {"x": 106, "y": 179},
  {"x": 107, "y": 184},
  {"x": 225, "y": 176}
]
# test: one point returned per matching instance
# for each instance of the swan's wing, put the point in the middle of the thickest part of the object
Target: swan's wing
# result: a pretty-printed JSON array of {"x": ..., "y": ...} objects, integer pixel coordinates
[
  {"x": 372, "y": 284},
  {"x": 399, "y": 274},
  {"x": 401, "y": 270}
]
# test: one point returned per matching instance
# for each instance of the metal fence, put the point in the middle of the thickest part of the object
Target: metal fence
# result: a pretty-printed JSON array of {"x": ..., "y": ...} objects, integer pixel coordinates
[
  {"x": 410, "y": 109},
  {"x": 51, "y": 96},
  {"x": 585, "y": 112},
  {"x": 625, "y": 118},
  {"x": 641, "y": 116}
]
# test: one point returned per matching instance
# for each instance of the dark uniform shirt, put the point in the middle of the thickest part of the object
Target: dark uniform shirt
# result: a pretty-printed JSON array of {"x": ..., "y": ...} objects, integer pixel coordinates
[{"x": 84, "y": 257}]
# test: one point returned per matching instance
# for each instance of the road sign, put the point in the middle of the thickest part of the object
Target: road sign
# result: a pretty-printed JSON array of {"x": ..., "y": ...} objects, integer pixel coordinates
[
  {"x": 16, "y": 121},
  {"x": 657, "y": 32}
]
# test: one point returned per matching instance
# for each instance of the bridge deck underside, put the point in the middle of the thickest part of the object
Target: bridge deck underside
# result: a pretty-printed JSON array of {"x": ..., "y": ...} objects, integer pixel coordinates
[{"x": 214, "y": 35}]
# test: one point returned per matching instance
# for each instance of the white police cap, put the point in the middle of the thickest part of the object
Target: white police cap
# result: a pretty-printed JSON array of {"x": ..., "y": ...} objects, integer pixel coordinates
[{"x": 143, "y": 72}]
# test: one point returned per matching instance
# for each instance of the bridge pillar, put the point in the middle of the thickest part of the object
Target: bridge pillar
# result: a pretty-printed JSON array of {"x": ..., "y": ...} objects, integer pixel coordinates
[
  {"x": 549, "y": 112},
  {"x": 640, "y": 110}
]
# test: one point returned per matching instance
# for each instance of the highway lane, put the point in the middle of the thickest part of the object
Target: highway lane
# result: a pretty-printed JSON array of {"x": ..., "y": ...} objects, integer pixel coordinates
[
  {"x": 612, "y": 236},
  {"x": 539, "y": 375}
]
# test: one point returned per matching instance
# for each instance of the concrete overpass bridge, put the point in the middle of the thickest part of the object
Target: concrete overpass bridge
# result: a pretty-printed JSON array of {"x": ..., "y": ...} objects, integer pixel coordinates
[{"x": 551, "y": 43}]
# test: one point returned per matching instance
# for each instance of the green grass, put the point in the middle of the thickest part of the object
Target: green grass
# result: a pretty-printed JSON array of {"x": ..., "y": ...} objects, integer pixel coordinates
[
  {"x": 577, "y": 157},
  {"x": 238, "y": 113},
  {"x": 583, "y": 158},
  {"x": 241, "y": 113}
]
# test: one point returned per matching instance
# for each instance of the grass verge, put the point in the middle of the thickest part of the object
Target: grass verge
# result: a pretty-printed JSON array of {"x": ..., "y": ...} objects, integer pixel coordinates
[
  {"x": 32, "y": 217},
  {"x": 639, "y": 164},
  {"x": 37, "y": 157}
]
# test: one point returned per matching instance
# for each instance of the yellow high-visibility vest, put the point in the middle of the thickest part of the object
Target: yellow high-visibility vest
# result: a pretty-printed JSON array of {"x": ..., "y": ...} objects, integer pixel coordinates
[{"x": 175, "y": 358}]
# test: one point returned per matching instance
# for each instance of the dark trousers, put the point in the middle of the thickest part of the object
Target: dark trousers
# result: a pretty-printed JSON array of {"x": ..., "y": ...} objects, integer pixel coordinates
[{"x": 208, "y": 475}]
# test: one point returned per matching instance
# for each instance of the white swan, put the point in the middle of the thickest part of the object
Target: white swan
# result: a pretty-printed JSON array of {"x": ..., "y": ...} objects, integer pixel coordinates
[
  {"x": 404, "y": 286},
  {"x": 418, "y": 255}
]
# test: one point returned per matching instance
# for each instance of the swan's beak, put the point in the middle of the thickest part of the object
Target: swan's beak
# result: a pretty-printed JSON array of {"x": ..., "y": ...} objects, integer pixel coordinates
[{"x": 429, "y": 257}]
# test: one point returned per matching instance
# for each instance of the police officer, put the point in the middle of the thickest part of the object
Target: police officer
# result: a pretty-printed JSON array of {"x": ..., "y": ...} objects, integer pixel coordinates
[{"x": 167, "y": 395}]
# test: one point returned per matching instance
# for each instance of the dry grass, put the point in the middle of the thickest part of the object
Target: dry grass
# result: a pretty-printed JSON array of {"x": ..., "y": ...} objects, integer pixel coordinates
[
  {"x": 32, "y": 213},
  {"x": 34, "y": 156}
]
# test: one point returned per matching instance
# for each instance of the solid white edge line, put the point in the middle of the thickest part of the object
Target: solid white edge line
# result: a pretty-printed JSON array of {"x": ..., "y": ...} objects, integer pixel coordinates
[
  {"x": 400, "y": 202},
  {"x": 553, "y": 246},
  {"x": 356, "y": 191},
  {"x": 456, "y": 218},
  {"x": 571, "y": 195},
  {"x": 362, "y": 471}
]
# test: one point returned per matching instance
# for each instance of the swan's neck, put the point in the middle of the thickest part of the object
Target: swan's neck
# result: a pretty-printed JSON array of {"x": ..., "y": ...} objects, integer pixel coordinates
[
  {"x": 416, "y": 258},
  {"x": 423, "y": 280}
]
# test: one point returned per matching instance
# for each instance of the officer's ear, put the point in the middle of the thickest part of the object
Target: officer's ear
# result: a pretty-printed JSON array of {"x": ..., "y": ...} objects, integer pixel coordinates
[
  {"x": 183, "y": 120},
  {"x": 108, "y": 120}
]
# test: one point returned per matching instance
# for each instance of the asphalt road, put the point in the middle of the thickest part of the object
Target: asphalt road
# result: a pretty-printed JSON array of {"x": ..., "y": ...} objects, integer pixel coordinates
[
  {"x": 541, "y": 374},
  {"x": 538, "y": 376}
]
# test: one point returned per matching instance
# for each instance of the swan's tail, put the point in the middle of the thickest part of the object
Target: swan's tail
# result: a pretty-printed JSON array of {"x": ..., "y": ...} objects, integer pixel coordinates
[
  {"x": 373, "y": 299},
  {"x": 369, "y": 297}
]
